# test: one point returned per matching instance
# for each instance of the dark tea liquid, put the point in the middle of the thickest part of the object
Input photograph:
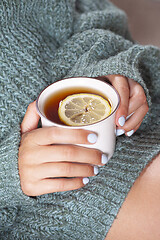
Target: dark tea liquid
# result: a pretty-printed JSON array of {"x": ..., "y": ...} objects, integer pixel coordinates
[{"x": 52, "y": 103}]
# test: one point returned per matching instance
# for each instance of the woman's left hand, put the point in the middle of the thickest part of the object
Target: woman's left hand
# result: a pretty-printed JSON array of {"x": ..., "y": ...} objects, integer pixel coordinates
[{"x": 133, "y": 104}]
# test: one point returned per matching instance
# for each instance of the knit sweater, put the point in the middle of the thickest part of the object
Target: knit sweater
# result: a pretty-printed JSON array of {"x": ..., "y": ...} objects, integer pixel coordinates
[{"x": 42, "y": 41}]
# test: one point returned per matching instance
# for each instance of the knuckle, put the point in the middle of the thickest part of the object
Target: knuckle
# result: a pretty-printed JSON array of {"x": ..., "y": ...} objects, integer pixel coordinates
[
  {"x": 26, "y": 139},
  {"x": 140, "y": 94},
  {"x": 124, "y": 88},
  {"x": 67, "y": 169},
  {"x": 69, "y": 152},
  {"x": 138, "y": 88},
  {"x": 62, "y": 184},
  {"x": 25, "y": 155},
  {"x": 66, "y": 185},
  {"x": 28, "y": 179},
  {"x": 52, "y": 133},
  {"x": 77, "y": 136},
  {"x": 142, "y": 98},
  {"x": 89, "y": 171},
  {"x": 97, "y": 156},
  {"x": 28, "y": 189}
]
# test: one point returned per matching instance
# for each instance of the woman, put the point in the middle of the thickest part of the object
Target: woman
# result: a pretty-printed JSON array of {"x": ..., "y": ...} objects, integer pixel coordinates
[{"x": 45, "y": 41}]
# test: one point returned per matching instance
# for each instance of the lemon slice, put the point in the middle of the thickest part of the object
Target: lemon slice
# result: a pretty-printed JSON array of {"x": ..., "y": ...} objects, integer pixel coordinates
[{"x": 83, "y": 109}]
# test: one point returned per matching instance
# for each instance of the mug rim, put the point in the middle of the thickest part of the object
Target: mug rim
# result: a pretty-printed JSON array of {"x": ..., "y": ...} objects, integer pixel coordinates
[{"x": 76, "y": 127}]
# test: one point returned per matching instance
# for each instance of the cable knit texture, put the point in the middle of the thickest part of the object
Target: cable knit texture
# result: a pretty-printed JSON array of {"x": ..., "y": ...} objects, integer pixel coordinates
[{"x": 42, "y": 41}]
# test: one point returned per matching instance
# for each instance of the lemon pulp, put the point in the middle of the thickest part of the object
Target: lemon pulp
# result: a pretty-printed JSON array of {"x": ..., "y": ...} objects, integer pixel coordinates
[{"x": 83, "y": 109}]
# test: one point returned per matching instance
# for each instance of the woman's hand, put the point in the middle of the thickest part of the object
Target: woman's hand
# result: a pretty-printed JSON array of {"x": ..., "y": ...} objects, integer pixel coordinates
[
  {"x": 48, "y": 160},
  {"x": 133, "y": 104}
]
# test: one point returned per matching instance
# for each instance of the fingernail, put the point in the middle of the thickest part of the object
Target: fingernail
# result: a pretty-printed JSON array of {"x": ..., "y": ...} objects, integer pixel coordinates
[
  {"x": 121, "y": 121},
  {"x": 85, "y": 180},
  {"x": 130, "y": 133},
  {"x": 119, "y": 132},
  {"x": 92, "y": 138},
  {"x": 96, "y": 170},
  {"x": 104, "y": 159},
  {"x": 129, "y": 115}
]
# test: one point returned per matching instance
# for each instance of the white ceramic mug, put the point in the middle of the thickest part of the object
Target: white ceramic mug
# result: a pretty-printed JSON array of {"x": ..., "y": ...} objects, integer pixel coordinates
[{"x": 105, "y": 129}]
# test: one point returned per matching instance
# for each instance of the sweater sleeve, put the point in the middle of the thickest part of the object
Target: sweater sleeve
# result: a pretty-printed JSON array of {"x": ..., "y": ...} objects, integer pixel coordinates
[
  {"x": 101, "y": 44},
  {"x": 11, "y": 196}
]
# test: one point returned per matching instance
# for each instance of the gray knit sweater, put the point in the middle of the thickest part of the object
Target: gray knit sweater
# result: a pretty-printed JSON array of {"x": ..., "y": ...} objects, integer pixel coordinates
[{"x": 42, "y": 41}]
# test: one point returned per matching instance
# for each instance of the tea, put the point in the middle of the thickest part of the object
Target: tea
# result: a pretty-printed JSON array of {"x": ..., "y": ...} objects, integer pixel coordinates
[
  {"x": 52, "y": 103},
  {"x": 48, "y": 104}
]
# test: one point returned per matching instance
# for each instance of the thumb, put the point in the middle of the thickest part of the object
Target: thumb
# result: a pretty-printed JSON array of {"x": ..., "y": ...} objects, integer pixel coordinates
[{"x": 31, "y": 118}]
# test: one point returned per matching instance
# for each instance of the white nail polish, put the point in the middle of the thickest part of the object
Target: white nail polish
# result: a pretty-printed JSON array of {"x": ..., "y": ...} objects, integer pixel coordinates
[
  {"x": 119, "y": 132},
  {"x": 92, "y": 138},
  {"x": 96, "y": 170},
  {"x": 129, "y": 115},
  {"x": 130, "y": 133},
  {"x": 104, "y": 159},
  {"x": 121, "y": 121},
  {"x": 85, "y": 180}
]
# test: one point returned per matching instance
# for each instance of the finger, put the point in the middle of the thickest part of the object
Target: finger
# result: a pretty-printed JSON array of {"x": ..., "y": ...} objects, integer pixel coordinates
[
  {"x": 50, "y": 170},
  {"x": 136, "y": 118},
  {"x": 120, "y": 131},
  {"x": 31, "y": 118},
  {"x": 52, "y": 135},
  {"x": 137, "y": 97},
  {"x": 46, "y": 186},
  {"x": 66, "y": 153},
  {"x": 131, "y": 132},
  {"x": 121, "y": 85}
]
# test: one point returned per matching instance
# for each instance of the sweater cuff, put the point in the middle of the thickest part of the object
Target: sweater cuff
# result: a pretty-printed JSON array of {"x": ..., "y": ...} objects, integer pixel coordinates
[{"x": 10, "y": 189}]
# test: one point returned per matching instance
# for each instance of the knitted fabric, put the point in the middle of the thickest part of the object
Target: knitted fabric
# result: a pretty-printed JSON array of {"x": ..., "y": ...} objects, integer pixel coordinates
[{"x": 42, "y": 41}]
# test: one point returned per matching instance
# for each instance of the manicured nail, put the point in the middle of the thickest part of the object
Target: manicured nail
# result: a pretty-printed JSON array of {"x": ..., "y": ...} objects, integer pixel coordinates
[
  {"x": 85, "y": 180},
  {"x": 119, "y": 132},
  {"x": 104, "y": 159},
  {"x": 92, "y": 138},
  {"x": 129, "y": 115},
  {"x": 96, "y": 170},
  {"x": 130, "y": 133},
  {"x": 121, "y": 121}
]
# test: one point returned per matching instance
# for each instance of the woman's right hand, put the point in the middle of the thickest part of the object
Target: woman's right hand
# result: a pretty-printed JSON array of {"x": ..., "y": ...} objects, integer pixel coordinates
[{"x": 50, "y": 162}]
